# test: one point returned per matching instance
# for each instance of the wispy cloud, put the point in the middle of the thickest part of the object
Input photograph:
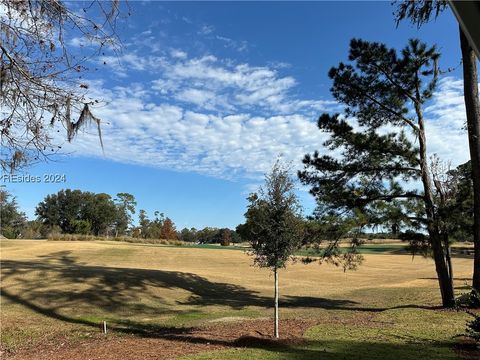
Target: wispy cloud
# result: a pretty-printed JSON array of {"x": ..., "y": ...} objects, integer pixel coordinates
[
  {"x": 139, "y": 130},
  {"x": 233, "y": 44},
  {"x": 206, "y": 29},
  {"x": 231, "y": 120},
  {"x": 227, "y": 86},
  {"x": 446, "y": 120},
  {"x": 215, "y": 84}
]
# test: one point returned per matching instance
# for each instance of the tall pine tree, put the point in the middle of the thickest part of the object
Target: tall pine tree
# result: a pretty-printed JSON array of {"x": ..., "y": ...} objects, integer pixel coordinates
[
  {"x": 372, "y": 151},
  {"x": 420, "y": 12}
]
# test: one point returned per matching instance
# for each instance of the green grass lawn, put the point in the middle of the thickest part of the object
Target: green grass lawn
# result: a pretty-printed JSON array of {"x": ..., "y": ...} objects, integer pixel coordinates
[
  {"x": 399, "y": 248},
  {"x": 58, "y": 292},
  {"x": 391, "y": 334}
]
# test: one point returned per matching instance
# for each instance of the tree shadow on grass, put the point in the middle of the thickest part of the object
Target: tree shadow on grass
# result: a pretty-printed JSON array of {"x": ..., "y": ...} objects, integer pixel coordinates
[
  {"x": 455, "y": 279},
  {"x": 53, "y": 280},
  {"x": 58, "y": 283},
  {"x": 353, "y": 349}
]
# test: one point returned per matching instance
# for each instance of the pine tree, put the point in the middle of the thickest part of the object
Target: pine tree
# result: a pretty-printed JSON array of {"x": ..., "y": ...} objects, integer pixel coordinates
[
  {"x": 420, "y": 12},
  {"x": 370, "y": 161},
  {"x": 125, "y": 203}
]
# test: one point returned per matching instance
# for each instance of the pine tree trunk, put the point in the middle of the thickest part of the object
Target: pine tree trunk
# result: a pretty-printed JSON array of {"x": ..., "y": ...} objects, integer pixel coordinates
[
  {"x": 449, "y": 262},
  {"x": 472, "y": 105},
  {"x": 448, "y": 255},
  {"x": 444, "y": 280},
  {"x": 275, "y": 326}
]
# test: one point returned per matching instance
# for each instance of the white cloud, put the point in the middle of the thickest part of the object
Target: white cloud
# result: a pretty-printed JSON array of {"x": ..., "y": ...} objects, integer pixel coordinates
[
  {"x": 187, "y": 20},
  {"x": 94, "y": 44},
  {"x": 228, "y": 87},
  {"x": 169, "y": 136},
  {"x": 77, "y": 42},
  {"x": 446, "y": 120},
  {"x": 196, "y": 96},
  {"x": 206, "y": 29},
  {"x": 233, "y": 44},
  {"x": 176, "y": 53},
  {"x": 232, "y": 120},
  {"x": 126, "y": 64}
]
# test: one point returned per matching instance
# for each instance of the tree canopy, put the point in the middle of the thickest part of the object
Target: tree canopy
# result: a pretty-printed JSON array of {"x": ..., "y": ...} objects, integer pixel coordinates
[
  {"x": 12, "y": 220},
  {"x": 76, "y": 211},
  {"x": 41, "y": 82},
  {"x": 458, "y": 208},
  {"x": 160, "y": 227},
  {"x": 273, "y": 220},
  {"x": 125, "y": 204},
  {"x": 377, "y": 151}
]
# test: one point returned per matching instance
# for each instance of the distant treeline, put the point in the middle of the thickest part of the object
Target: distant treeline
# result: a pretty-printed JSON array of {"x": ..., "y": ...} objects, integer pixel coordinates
[
  {"x": 210, "y": 235},
  {"x": 101, "y": 215},
  {"x": 87, "y": 213}
]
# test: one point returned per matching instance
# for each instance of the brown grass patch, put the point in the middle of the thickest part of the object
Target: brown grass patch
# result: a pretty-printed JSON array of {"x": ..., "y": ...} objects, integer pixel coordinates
[{"x": 171, "y": 344}]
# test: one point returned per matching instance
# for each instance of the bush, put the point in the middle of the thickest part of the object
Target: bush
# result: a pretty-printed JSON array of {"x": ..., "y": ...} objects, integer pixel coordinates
[
  {"x": 473, "y": 327},
  {"x": 54, "y": 232},
  {"x": 35, "y": 229},
  {"x": 56, "y": 236},
  {"x": 9, "y": 232},
  {"x": 470, "y": 299}
]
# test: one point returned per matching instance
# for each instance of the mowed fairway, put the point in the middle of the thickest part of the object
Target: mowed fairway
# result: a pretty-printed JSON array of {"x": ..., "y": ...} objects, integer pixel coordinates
[{"x": 168, "y": 302}]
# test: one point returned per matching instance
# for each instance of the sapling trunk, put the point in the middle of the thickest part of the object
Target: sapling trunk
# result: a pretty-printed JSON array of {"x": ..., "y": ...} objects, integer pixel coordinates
[{"x": 275, "y": 327}]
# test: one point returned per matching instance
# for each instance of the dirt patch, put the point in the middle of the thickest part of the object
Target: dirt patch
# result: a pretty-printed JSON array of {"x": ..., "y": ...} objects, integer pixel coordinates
[
  {"x": 172, "y": 343},
  {"x": 467, "y": 349}
]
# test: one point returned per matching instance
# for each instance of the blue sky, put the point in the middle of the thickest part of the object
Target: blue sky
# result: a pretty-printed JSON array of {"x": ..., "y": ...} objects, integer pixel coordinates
[{"x": 204, "y": 96}]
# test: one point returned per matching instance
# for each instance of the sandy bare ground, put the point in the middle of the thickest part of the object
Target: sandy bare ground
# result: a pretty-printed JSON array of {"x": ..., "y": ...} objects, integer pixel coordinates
[{"x": 171, "y": 343}]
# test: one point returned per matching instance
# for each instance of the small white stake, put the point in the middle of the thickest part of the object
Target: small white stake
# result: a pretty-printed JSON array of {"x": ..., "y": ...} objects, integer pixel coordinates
[{"x": 104, "y": 327}]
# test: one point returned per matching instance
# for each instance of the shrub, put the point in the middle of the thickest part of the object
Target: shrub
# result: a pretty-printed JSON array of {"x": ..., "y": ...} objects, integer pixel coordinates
[
  {"x": 473, "y": 327},
  {"x": 470, "y": 299},
  {"x": 72, "y": 237},
  {"x": 56, "y": 236},
  {"x": 9, "y": 232}
]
